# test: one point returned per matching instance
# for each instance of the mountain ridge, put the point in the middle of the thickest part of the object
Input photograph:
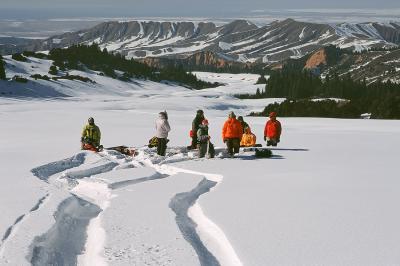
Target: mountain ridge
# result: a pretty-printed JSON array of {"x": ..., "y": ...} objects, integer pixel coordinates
[{"x": 239, "y": 40}]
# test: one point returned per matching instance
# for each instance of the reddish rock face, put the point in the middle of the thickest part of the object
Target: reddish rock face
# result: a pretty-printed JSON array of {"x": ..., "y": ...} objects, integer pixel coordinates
[{"x": 316, "y": 59}]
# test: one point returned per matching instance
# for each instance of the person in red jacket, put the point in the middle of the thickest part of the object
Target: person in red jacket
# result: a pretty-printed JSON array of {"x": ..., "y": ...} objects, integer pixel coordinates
[
  {"x": 232, "y": 134},
  {"x": 273, "y": 130}
]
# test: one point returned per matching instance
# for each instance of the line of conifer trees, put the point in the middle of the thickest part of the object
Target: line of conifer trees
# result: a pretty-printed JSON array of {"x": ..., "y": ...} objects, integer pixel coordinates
[
  {"x": 381, "y": 99},
  {"x": 92, "y": 57}
]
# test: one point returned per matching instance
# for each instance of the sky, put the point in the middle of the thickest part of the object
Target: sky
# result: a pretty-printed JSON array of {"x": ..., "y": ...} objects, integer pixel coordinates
[{"x": 72, "y": 8}]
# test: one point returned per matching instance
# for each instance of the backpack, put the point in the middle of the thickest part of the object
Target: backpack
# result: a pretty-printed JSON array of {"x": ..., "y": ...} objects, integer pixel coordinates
[
  {"x": 153, "y": 142},
  {"x": 263, "y": 153}
]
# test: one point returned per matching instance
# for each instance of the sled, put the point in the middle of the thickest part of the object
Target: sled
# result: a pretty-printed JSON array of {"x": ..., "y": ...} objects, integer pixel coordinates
[
  {"x": 90, "y": 147},
  {"x": 259, "y": 152},
  {"x": 124, "y": 150}
]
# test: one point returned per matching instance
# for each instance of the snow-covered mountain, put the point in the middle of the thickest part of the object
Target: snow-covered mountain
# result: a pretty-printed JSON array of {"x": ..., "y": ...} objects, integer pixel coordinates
[{"x": 239, "y": 40}]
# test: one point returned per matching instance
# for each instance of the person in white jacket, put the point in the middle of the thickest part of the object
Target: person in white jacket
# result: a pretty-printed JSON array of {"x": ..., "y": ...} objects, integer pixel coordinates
[{"x": 162, "y": 129}]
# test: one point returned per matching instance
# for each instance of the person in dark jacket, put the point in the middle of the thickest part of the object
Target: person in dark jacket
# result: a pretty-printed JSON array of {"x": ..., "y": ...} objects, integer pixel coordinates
[
  {"x": 244, "y": 124},
  {"x": 204, "y": 145},
  {"x": 195, "y": 127}
]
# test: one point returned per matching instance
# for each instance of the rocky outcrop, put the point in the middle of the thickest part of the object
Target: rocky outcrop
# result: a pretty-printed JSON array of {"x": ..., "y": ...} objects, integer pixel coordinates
[{"x": 317, "y": 59}]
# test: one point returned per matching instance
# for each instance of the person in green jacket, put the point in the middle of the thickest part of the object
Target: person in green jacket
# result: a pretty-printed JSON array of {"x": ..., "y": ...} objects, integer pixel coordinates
[{"x": 91, "y": 135}]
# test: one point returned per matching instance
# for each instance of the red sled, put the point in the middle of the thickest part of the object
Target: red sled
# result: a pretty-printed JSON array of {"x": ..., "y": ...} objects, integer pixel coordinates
[{"x": 89, "y": 147}]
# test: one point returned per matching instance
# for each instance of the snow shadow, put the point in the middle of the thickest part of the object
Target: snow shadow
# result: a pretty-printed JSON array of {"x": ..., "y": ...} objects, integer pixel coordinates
[
  {"x": 286, "y": 149},
  {"x": 66, "y": 239},
  {"x": 31, "y": 89},
  {"x": 180, "y": 204},
  {"x": 253, "y": 157},
  {"x": 45, "y": 171},
  {"x": 13, "y": 227},
  {"x": 100, "y": 169},
  {"x": 10, "y": 229},
  {"x": 125, "y": 183}
]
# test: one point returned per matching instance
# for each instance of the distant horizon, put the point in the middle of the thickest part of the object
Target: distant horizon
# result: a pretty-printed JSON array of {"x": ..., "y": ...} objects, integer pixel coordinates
[
  {"x": 306, "y": 13},
  {"x": 28, "y": 25}
]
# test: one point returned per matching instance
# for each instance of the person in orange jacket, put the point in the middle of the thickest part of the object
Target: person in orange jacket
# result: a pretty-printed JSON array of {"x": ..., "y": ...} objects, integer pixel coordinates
[
  {"x": 232, "y": 134},
  {"x": 248, "y": 138},
  {"x": 273, "y": 130}
]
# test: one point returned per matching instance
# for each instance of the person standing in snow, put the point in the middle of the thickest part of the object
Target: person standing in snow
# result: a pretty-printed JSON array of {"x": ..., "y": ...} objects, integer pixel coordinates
[
  {"x": 203, "y": 139},
  {"x": 248, "y": 138},
  {"x": 244, "y": 124},
  {"x": 162, "y": 130},
  {"x": 232, "y": 134},
  {"x": 272, "y": 131},
  {"x": 90, "y": 137},
  {"x": 195, "y": 127}
]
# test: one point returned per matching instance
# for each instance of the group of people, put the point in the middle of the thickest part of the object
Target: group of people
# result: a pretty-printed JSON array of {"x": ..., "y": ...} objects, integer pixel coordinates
[{"x": 236, "y": 133}]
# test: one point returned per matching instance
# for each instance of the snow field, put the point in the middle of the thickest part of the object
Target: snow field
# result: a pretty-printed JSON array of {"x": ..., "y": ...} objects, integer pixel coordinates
[{"x": 327, "y": 197}]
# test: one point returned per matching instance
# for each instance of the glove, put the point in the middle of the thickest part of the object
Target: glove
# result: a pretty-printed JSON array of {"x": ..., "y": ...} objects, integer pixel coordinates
[{"x": 265, "y": 138}]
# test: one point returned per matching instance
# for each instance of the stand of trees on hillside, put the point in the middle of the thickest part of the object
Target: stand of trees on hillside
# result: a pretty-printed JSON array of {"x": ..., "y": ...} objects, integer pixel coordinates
[
  {"x": 381, "y": 99},
  {"x": 82, "y": 57},
  {"x": 2, "y": 69}
]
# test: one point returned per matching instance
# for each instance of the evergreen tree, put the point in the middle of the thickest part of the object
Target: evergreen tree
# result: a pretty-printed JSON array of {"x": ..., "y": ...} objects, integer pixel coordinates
[
  {"x": 2, "y": 69},
  {"x": 261, "y": 80},
  {"x": 53, "y": 70}
]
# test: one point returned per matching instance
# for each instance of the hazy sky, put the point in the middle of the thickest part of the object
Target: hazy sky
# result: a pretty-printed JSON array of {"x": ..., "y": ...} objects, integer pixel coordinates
[{"x": 176, "y": 7}]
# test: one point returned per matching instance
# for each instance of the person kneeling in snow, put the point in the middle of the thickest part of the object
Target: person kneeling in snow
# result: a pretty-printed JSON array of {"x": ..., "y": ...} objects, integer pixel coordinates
[
  {"x": 248, "y": 138},
  {"x": 272, "y": 131},
  {"x": 203, "y": 141},
  {"x": 91, "y": 135},
  {"x": 232, "y": 134},
  {"x": 162, "y": 129}
]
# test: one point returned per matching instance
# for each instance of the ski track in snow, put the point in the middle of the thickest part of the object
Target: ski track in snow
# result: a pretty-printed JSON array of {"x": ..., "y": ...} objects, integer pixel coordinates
[
  {"x": 14, "y": 228},
  {"x": 45, "y": 171},
  {"x": 206, "y": 238},
  {"x": 100, "y": 169},
  {"x": 180, "y": 204},
  {"x": 65, "y": 241}
]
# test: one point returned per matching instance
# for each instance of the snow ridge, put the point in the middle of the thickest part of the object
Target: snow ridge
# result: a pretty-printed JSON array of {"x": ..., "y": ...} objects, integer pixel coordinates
[
  {"x": 14, "y": 228},
  {"x": 77, "y": 236},
  {"x": 66, "y": 239},
  {"x": 181, "y": 204},
  {"x": 208, "y": 240}
]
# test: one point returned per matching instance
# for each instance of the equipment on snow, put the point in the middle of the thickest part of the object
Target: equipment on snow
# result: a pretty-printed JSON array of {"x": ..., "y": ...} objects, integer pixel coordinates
[
  {"x": 153, "y": 142},
  {"x": 91, "y": 147},
  {"x": 124, "y": 150},
  {"x": 263, "y": 153}
]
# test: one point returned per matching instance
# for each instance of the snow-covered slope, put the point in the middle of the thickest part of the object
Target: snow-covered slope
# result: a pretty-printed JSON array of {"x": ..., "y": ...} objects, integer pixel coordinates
[
  {"x": 239, "y": 40},
  {"x": 327, "y": 197}
]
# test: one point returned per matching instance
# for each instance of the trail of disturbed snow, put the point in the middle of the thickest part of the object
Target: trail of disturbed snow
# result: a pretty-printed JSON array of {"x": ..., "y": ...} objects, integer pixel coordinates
[
  {"x": 65, "y": 241},
  {"x": 206, "y": 238},
  {"x": 14, "y": 228}
]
